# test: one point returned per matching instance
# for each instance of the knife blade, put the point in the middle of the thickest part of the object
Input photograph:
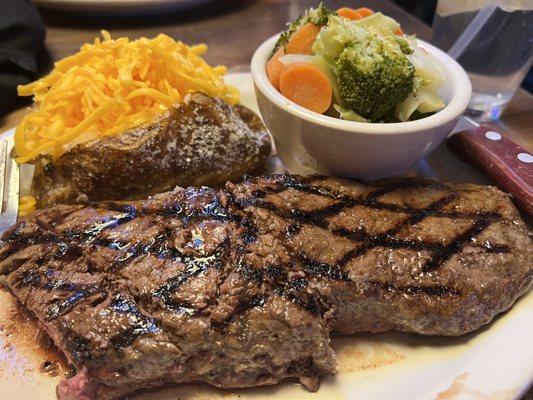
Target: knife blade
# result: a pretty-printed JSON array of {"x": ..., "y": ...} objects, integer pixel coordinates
[
  {"x": 9, "y": 184},
  {"x": 507, "y": 163}
]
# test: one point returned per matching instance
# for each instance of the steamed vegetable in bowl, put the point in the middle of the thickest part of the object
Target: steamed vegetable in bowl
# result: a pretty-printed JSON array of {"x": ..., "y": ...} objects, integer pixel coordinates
[{"x": 356, "y": 65}]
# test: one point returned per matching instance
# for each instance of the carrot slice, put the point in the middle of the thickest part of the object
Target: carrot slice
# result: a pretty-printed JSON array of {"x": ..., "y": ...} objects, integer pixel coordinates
[
  {"x": 398, "y": 32},
  {"x": 307, "y": 86},
  {"x": 301, "y": 41},
  {"x": 349, "y": 13},
  {"x": 274, "y": 67},
  {"x": 364, "y": 12}
]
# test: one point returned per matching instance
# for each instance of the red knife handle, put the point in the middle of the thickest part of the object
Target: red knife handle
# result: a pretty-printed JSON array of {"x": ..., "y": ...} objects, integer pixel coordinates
[{"x": 504, "y": 161}]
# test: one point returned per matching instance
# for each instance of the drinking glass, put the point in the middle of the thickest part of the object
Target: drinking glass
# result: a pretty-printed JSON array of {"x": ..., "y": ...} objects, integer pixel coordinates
[{"x": 493, "y": 41}]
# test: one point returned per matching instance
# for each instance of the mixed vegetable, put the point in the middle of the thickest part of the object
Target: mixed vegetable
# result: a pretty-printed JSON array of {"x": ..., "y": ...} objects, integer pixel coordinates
[{"x": 355, "y": 64}]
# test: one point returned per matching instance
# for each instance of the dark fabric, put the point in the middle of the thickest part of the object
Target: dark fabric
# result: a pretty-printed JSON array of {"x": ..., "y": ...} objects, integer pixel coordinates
[{"x": 21, "y": 40}]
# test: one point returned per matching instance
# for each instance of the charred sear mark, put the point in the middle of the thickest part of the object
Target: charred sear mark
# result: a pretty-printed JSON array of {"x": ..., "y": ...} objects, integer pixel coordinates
[
  {"x": 55, "y": 283},
  {"x": 250, "y": 233},
  {"x": 387, "y": 239},
  {"x": 318, "y": 218},
  {"x": 194, "y": 267},
  {"x": 291, "y": 289},
  {"x": 139, "y": 323},
  {"x": 173, "y": 209},
  {"x": 61, "y": 307},
  {"x": 305, "y": 301},
  {"x": 15, "y": 240},
  {"x": 297, "y": 283},
  {"x": 89, "y": 235},
  {"x": 294, "y": 290},
  {"x": 46, "y": 280},
  {"x": 293, "y": 229},
  {"x": 212, "y": 210},
  {"x": 324, "y": 270},
  {"x": 30, "y": 277},
  {"x": 250, "y": 273},
  {"x": 258, "y": 193},
  {"x": 455, "y": 246},
  {"x": 181, "y": 307},
  {"x": 496, "y": 248},
  {"x": 245, "y": 304},
  {"x": 275, "y": 272},
  {"x": 128, "y": 213},
  {"x": 68, "y": 252}
]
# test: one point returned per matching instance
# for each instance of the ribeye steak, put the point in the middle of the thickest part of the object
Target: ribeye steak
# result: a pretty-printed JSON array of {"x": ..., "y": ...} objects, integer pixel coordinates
[{"x": 242, "y": 286}]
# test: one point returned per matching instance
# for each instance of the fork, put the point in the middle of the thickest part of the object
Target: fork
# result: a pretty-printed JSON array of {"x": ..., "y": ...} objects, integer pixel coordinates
[{"x": 9, "y": 185}]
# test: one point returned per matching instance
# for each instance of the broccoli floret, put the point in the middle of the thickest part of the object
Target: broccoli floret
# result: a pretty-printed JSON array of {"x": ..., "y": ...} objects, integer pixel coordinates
[
  {"x": 403, "y": 44},
  {"x": 373, "y": 76},
  {"x": 318, "y": 16}
]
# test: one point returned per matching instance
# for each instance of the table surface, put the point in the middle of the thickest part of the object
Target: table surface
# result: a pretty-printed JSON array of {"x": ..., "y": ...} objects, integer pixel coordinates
[{"x": 233, "y": 31}]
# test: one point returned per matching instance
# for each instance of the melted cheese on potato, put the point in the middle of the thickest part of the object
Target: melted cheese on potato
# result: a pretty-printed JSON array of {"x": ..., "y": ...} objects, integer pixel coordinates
[{"x": 110, "y": 86}]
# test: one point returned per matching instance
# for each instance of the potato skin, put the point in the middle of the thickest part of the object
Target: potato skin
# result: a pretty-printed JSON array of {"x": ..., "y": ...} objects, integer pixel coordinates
[{"x": 202, "y": 141}]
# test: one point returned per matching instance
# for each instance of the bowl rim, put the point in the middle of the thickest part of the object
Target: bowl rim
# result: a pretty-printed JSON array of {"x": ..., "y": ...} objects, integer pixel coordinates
[{"x": 461, "y": 90}]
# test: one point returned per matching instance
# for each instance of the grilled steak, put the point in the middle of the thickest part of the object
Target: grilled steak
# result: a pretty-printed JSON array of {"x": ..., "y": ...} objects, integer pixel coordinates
[
  {"x": 242, "y": 286},
  {"x": 202, "y": 141}
]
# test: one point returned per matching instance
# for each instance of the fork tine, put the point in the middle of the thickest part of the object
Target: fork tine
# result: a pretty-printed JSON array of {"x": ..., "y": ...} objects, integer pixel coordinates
[
  {"x": 3, "y": 162},
  {"x": 11, "y": 196}
]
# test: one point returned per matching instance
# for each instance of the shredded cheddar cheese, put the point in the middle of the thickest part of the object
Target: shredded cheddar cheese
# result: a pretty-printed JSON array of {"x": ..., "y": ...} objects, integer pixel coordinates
[
  {"x": 26, "y": 205},
  {"x": 110, "y": 86}
]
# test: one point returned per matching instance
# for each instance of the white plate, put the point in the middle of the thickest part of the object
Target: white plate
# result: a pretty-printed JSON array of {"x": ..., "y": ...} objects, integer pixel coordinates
[
  {"x": 121, "y": 7},
  {"x": 493, "y": 363}
]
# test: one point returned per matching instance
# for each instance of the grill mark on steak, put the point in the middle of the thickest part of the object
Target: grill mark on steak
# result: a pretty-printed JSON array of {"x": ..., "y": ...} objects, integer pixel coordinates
[
  {"x": 141, "y": 324},
  {"x": 387, "y": 239},
  {"x": 251, "y": 274},
  {"x": 293, "y": 229},
  {"x": 322, "y": 269},
  {"x": 30, "y": 277},
  {"x": 212, "y": 210},
  {"x": 18, "y": 240},
  {"x": 33, "y": 277},
  {"x": 315, "y": 217},
  {"x": 62, "y": 307},
  {"x": 215, "y": 210},
  {"x": 444, "y": 254},
  {"x": 128, "y": 213},
  {"x": 246, "y": 240},
  {"x": 369, "y": 199},
  {"x": 79, "y": 347},
  {"x": 290, "y": 289},
  {"x": 245, "y": 304},
  {"x": 249, "y": 235},
  {"x": 195, "y": 266},
  {"x": 293, "y": 290}
]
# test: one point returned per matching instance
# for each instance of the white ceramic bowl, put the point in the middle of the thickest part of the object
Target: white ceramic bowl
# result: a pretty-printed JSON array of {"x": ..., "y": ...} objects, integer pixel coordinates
[{"x": 308, "y": 142}]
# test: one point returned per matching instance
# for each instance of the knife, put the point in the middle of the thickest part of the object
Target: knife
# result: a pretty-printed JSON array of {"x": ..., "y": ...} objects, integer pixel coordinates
[
  {"x": 507, "y": 163},
  {"x": 9, "y": 185}
]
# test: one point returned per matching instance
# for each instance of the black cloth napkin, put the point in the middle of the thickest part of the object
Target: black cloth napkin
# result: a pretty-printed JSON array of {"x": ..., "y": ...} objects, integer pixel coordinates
[{"x": 21, "y": 40}]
